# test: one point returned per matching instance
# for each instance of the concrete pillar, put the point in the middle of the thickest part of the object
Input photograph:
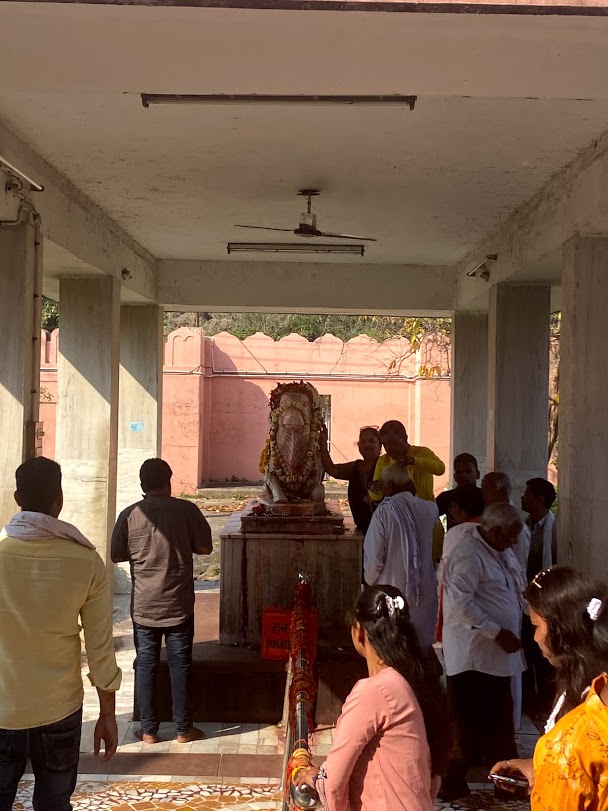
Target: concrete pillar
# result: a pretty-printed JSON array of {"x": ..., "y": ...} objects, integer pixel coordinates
[
  {"x": 470, "y": 386},
  {"x": 20, "y": 305},
  {"x": 518, "y": 382},
  {"x": 140, "y": 401},
  {"x": 87, "y": 404},
  {"x": 187, "y": 407},
  {"x": 583, "y": 409}
]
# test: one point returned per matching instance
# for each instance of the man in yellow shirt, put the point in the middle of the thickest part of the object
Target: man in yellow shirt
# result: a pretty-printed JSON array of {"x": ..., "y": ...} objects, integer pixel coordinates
[
  {"x": 422, "y": 464},
  {"x": 51, "y": 581}
]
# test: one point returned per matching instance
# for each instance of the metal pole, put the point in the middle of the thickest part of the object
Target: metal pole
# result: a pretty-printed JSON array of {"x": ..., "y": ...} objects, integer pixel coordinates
[{"x": 306, "y": 797}]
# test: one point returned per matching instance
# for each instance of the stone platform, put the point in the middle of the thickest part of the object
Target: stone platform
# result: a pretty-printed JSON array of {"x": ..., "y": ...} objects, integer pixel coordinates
[
  {"x": 261, "y": 568},
  {"x": 307, "y": 518}
]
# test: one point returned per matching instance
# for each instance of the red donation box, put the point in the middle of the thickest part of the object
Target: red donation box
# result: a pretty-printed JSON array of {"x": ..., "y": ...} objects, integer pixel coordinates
[{"x": 276, "y": 624}]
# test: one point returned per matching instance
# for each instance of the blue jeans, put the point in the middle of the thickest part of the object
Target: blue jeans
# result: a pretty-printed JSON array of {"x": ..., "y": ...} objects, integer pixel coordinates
[
  {"x": 178, "y": 641},
  {"x": 53, "y": 751}
]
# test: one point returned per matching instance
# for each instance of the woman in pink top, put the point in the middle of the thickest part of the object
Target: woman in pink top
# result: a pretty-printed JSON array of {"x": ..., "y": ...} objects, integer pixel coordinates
[{"x": 391, "y": 739}]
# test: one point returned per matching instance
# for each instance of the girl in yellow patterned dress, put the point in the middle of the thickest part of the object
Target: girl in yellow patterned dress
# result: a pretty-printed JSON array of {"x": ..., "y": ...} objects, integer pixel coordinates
[
  {"x": 570, "y": 769},
  {"x": 571, "y": 761}
]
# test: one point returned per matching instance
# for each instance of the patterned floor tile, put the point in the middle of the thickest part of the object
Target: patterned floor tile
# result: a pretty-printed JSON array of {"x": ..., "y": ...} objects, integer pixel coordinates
[{"x": 166, "y": 795}]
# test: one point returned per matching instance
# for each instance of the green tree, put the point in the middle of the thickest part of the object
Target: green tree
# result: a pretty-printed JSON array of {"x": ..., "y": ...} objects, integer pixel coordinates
[
  {"x": 50, "y": 314},
  {"x": 278, "y": 325}
]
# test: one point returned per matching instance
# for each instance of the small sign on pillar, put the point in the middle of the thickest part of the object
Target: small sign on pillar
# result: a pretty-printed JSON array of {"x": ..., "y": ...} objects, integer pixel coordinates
[
  {"x": 276, "y": 627},
  {"x": 137, "y": 426},
  {"x": 34, "y": 434}
]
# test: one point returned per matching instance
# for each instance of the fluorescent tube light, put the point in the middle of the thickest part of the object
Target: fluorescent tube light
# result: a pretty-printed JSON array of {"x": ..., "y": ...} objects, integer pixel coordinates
[
  {"x": 254, "y": 98},
  {"x": 294, "y": 247},
  {"x": 13, "y": 169},
  {"x": 482, "y": 270}
]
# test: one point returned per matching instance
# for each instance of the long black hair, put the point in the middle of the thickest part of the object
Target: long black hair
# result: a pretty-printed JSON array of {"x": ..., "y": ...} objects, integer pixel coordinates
[
  {"x": 394, "y": 638},
  {"x": 563, "y": 596}
]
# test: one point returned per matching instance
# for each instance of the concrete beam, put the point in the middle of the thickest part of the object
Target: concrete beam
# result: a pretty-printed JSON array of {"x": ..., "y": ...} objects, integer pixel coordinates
[
  {"x": 528, "y": 243},
  {"x": 306, "y": 287},
  {"x": 72, "y": 221}
]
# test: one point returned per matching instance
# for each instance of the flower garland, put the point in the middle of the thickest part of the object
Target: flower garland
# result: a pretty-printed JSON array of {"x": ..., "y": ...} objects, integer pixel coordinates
[
  {"x": 265, "y": 457},
  {"x": 296, "y": 480}
]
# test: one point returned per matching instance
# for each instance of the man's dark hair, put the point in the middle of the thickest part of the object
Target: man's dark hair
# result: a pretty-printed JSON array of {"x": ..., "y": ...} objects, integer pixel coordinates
[
  {"x": 154, "y": 474},
  {"x": 469, "y": 498},
  {"x": 393, "y": 425},
  {"x": 466, "y": 459},
  {"x": 38, "y": 483},
  {"x": 541, "y": 488}
]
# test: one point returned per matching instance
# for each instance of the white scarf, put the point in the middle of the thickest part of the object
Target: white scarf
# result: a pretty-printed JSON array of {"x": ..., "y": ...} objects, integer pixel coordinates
[
  {"x": 410, "y": 545},
  {"x": 31, "y": 526},
  {"x": 552, "y": 719},
  {"x": 513, "y": 566}
]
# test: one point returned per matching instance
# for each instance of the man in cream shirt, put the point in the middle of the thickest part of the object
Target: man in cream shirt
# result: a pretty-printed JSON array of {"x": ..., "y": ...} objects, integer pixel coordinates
[{"x": 51, "y": 581}]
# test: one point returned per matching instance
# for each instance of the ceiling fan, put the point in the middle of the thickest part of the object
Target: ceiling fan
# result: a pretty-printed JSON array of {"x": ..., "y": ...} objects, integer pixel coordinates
[{"x": 308, "y": 223}]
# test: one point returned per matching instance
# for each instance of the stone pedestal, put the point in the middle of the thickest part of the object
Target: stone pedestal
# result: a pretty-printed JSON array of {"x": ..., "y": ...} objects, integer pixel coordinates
[
  {"x": 261, "y": 568},
  {"x": 307, "y": 518}
]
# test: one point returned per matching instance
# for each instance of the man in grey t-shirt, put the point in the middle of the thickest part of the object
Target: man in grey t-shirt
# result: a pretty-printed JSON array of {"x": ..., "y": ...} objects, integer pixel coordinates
[{"x": 158, "y": 536}]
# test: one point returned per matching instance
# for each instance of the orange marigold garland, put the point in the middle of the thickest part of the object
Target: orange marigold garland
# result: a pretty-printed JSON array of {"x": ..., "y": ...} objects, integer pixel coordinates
[{"x": 303, "y": 687}]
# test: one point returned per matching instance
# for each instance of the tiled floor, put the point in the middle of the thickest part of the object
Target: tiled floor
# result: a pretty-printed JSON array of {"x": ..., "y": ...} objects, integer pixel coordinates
[
  {"x": 189, "y": 795},
  {"x": 226, "y": 738},
  {"x": 129, "y": 795},
  {"x": 232, "y": 749}
]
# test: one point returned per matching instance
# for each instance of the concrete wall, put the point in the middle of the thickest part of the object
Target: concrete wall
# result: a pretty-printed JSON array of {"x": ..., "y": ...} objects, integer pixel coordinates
[{"x": 215, "y": 397}]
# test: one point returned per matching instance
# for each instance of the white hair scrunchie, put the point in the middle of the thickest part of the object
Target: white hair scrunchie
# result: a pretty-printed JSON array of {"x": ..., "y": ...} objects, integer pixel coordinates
[
  {"x": 594, "y": 608},
  {"x": 394, "y": 602}
]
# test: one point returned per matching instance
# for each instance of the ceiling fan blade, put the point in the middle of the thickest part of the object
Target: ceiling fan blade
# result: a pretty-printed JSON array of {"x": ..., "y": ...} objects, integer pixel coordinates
[
  {"x": 346, "y": 236},
  {"x": 265, "y": 228}
]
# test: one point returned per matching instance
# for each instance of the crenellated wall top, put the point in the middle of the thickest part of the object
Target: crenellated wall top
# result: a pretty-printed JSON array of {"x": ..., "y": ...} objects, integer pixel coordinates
[{"x": 188, "y": 349}]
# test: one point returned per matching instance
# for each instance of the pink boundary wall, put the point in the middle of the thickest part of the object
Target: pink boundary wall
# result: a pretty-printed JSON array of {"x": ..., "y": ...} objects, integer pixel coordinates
[{"x": 216, "y": 390}]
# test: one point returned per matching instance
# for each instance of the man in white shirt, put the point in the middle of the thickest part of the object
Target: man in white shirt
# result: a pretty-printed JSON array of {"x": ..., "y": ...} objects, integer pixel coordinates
[
  {"x": 398, "y": 549},
  {"x": 496, "y": 488},
  {"x": 483, "y": 585}
]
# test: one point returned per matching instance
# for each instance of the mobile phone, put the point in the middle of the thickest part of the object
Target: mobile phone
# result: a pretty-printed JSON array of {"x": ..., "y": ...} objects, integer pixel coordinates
[{"x": 509, "y": 780}]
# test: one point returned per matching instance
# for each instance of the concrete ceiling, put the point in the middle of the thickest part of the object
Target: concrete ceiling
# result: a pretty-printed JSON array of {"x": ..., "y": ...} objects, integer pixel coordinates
[{"x": 504, "y": 103}]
